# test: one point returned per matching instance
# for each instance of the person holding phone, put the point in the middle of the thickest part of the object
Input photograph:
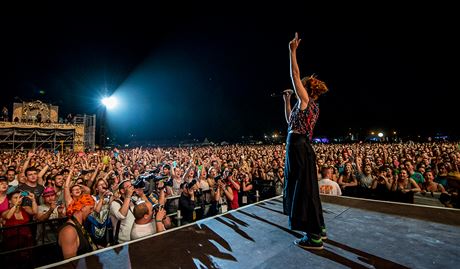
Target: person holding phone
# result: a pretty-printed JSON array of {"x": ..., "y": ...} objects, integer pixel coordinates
[
  {"x": 17, "y": 215},
  {"x": 187, "y": 201},
  {"x": 50, "y": 209}
]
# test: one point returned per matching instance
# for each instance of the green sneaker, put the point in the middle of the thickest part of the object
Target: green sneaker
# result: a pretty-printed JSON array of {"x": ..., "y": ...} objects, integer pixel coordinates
[
  {"x": 309, "y": 243},
  {"x": 323, "y": 234}
]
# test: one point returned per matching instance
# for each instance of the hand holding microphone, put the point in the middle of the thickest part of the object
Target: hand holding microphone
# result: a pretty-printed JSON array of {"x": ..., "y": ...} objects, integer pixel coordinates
[
  {"x": 287, "y": 95},
  {"x": 288, "y": 92},
  {"x": 284, "y": 94}
]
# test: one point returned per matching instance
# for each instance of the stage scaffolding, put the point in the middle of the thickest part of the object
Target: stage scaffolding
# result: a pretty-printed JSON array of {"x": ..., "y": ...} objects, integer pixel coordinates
[
  {"x": 76, "y": 136},
  {"x": 89, "y": 137}
]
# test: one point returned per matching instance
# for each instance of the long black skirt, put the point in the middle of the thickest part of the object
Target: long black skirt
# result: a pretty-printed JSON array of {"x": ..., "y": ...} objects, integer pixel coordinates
[{"x": 301, "y": 194}]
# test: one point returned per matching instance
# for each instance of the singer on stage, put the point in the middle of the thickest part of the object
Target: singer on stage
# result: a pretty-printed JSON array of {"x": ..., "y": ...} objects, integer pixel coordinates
[{"x": 301, "y": 194}]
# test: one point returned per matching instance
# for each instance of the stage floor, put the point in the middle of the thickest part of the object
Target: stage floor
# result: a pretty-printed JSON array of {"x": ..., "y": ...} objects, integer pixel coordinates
[{"x": 257, "y": 236}]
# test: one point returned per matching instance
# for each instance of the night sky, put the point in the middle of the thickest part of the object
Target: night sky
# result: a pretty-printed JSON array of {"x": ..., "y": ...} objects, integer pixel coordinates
[{"x": 210, "y": 73}]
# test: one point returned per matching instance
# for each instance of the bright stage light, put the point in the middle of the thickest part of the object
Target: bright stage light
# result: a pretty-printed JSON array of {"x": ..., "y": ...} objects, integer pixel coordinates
[
  {"x": 109, "y": 102},
  {"x": 380, "y": 134}
]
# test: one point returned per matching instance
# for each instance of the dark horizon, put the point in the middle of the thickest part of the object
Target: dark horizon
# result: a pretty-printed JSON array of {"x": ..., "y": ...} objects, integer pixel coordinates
[{"x": 212, "y": 75}]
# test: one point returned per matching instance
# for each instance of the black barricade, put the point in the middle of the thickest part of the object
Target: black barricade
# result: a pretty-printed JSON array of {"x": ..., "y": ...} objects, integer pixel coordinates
[
  {"x": 265, "y": 188},
  {"x": 30, "y": 245}
]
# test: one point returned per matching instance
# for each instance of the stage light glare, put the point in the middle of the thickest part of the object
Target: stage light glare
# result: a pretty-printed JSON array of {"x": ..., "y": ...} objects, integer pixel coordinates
[
  {"x": 109, "y": 102},
  {"x": 380, "y": 134}
]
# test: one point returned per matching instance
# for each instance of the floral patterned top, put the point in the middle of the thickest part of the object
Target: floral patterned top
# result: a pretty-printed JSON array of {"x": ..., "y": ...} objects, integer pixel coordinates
[{"x": 303, "y": 121}]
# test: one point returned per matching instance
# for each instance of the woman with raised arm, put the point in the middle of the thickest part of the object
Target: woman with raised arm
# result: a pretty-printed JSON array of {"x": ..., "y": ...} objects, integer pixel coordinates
[{"x": 301, "y": 194}]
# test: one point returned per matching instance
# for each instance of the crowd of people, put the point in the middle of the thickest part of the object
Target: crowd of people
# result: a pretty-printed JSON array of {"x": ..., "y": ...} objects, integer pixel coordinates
[
  {"x": 390, "y": 171},
  {"x": 113, "y": 196}
]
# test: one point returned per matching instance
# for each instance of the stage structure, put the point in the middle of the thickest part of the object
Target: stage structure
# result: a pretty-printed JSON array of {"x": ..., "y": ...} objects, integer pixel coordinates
[
  {"x": 35, "y": 112},
  {"x": 89, "y": 125},
  {"x": 35, "y": 125}
]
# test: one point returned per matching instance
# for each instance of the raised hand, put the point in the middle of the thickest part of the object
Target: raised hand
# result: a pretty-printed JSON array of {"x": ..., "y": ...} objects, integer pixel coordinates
[
  {"x": 130, "y": 191},
  {"x": 19, "y": 201},
  {"x": 161, "y": 214},
  {"x": 191, "y": 192},
  {"x": 108, "y": 193},
  {"x": 31, "y": 196},
  {"x": 60, "y": 209},
  {"x": 294, "y": 42},
  {"x": 53, "y": 205}
]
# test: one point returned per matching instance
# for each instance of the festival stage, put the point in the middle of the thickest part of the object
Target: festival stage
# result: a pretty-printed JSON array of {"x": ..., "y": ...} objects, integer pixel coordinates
[{"x": 362, "y": 234}]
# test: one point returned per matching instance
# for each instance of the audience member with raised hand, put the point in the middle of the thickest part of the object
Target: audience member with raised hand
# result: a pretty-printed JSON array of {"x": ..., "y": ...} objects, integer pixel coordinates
[
  {"x": 71, "y": 192},
  {"x": 18, "y": 215},
  {"x": 384, "y": 162},
  {"x": 51, "y": 209},
  {"x": 121, "y": 211}
]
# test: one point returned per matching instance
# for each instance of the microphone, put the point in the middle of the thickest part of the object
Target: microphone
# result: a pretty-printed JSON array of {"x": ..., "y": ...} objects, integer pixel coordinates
[{"x": 280, "y": 94}]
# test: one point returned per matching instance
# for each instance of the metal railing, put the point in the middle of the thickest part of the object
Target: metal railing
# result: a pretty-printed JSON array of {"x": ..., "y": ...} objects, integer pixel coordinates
[
  {"x": 202, "y": 206},
  {"x": 36, "y": 243}
]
